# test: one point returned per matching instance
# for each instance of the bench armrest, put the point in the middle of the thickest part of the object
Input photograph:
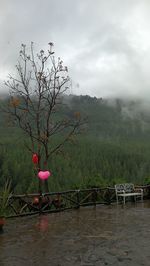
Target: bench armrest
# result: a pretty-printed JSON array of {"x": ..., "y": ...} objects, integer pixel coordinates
[{"x": 138, "y": 190}]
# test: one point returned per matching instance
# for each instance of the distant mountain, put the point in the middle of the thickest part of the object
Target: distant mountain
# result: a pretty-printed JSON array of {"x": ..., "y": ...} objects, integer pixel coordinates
[
  {"x": 106, "y": 118},
  {"x": 112, "y": 117}
]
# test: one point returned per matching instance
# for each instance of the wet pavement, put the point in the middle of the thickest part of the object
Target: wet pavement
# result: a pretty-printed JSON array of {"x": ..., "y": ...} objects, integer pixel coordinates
[{"x": 105, "y": 235}]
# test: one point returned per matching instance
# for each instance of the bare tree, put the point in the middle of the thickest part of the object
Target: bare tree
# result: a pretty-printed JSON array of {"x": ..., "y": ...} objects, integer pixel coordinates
[{"x": 35, "y": 101}]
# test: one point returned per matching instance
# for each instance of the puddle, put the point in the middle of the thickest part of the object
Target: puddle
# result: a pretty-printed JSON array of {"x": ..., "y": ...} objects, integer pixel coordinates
[{"x": 102, "y": 235}]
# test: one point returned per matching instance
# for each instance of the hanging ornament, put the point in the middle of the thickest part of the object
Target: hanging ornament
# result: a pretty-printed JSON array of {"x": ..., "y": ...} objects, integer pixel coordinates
[
  {"x": 35, "y": 158},
  {"x": 44, "y": 175}
]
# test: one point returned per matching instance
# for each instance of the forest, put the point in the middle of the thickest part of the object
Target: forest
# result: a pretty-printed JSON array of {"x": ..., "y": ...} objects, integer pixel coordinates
[{"x": 113, "y": 147}]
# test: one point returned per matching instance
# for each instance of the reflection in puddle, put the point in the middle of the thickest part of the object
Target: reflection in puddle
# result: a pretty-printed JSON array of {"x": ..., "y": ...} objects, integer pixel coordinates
[{"x": 42, "y": 224}]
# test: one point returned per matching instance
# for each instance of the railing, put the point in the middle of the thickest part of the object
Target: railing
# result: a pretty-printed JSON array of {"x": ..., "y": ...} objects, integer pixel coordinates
[{"x": 28, "y": 204}]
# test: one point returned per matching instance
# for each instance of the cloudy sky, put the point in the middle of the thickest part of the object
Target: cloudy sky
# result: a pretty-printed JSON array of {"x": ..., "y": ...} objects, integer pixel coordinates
[{"x": 104, "y": 43}]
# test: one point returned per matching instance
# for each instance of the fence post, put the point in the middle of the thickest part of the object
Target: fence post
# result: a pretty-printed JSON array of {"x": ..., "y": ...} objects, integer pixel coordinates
[
  {"x": 78, "y": 198},
  {"x": 94, "y": 196}
]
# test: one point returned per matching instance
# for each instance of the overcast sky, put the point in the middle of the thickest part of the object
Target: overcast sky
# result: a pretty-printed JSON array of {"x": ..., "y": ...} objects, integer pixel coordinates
[{"x": 104, "y": 43}]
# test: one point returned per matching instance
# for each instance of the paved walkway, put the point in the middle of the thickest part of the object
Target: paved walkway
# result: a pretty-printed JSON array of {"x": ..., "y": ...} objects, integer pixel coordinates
[{"x": 105, "y": 235}]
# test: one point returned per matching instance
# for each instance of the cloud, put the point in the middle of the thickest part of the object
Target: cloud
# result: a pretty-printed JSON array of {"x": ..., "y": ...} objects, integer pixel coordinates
[{"x": 106, "y": 44}]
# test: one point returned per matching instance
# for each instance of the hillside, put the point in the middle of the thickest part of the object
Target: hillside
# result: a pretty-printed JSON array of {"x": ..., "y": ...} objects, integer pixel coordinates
[{"x": 114, "y": 147}]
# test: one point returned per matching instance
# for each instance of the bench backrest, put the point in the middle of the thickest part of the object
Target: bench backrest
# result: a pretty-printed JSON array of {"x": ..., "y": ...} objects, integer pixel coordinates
[{"x": 127, "y": 187}]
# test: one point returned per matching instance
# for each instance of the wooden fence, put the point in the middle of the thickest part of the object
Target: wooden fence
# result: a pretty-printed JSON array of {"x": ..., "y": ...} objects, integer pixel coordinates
[{"x": 28, "y": 204}]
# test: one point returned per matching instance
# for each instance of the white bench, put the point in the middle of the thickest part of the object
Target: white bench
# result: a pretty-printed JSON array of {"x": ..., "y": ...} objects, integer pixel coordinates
[{"x": 128, "y": 190}]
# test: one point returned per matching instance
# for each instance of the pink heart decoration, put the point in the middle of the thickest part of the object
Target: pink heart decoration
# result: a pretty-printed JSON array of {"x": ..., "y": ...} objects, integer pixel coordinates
[{"x": 43, "y": 175}]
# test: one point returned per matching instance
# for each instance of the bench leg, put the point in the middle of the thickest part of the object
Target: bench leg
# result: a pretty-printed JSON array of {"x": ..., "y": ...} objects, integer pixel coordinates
[
  {"x": 124, "y": 200},
  {"x": 134, "y": 198},
  {"x": 117, "y": 199}
]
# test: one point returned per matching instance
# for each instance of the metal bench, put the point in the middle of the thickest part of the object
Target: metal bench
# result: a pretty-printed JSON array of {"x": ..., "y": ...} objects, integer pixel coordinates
[{"x": 128, "y": 190}]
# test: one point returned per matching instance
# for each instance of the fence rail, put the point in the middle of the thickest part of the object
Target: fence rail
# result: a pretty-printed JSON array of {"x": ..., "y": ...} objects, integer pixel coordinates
[{"x": 28, "y": 204}]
